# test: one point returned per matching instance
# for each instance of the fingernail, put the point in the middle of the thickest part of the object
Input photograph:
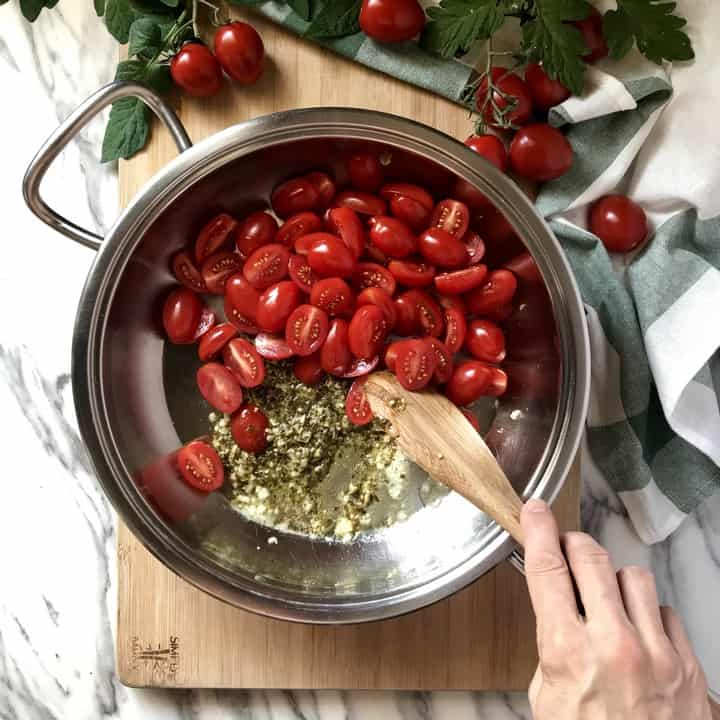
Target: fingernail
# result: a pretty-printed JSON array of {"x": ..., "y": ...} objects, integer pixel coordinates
[{"x": 536, "y": 506}]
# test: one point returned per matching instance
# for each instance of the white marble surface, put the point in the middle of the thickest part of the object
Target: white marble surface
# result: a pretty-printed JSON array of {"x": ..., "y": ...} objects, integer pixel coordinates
[{"x": 57, "y": 532}]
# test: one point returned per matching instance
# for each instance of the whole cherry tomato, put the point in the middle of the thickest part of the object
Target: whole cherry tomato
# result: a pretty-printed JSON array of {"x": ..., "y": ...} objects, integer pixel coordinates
[
  {"x": 241, "y": 302},
  {"x": 540, "y": 152},
  {"x": 187, "y": 273},
  {"x": 249, "y": 429},
  {"x": 306, "y": 329},
  {"x": 255, "y": 230},
  {"x": 347, "y": 224},
  {"x": 365, "y": 171},
  {"x": 415, "y": 363},
  {"x": 219, "y": 387},
  {"x": 335, "y": 355},
  {"x": 497, "y": 291},
  {"x": 244, "y": 362},
  {"x": 240, "y": 50},
  {"x": 214, "y": 234},
  {"x": 593, "y": 37},
  {"x": 217, "y": 268},
  {"x": 200, "y": 466},
  {"x": 196, "y": 70},
  {"x": 182, "y": 313},
  {"x": 545, "y": 91},
  {"x": 275, "y": 305},
  {"x": 367, "y": 331},
  {"x": 619, "y": 222},
  {"x": 330, "y": 257},
  {"x": 412, "y": 274},
  {"x": 470, "y": 380},
  {"x": 442, "y": 249},
  {"x": 361, "y": 202},
  {"x": 214, "y": 340},
  {"x": 491, "y": 147},
  {"x": 267, "y": 265},
  {"x": 485, "y": 341},
  {"x": 334, "y": 296},
  {"x": 357, "y": 407},
  {"x": 509, "y": 87},
  {"x": 302, "y": 223},
  {"x": 308, "y": 369},
  {"x": 392, "y": 236},
  {"x": 390, "y": 21},
  {"x": 394, "y": 190},
  {"x": 294, "y": 196},
  {"x": 452, "y": 216}
]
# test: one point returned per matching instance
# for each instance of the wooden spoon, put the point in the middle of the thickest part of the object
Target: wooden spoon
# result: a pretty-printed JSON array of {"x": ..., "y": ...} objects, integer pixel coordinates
[{"x": 438, "y": 437}]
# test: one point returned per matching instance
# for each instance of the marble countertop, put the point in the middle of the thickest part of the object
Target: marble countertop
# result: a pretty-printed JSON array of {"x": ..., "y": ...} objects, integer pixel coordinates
[{"x": 58, "y": 592}]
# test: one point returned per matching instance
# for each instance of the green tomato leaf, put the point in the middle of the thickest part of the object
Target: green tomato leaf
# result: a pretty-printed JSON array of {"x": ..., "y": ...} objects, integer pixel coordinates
[
  {"x": 158, "y": 78},
  {"x": 559, "y": 45},
  {"x": 31, "y": 8},
  {"x": 145, "y": 38},
  {"x": 652, "y": 25},
  {"x": 456, "y": 25},
  {"x": 119, "y": 17},
  {"x": 127, "y": 129},
  {"x": 99, "y": 7},
  {"x": 303, "y": 9},
  {"x": 335, "y": 19}
]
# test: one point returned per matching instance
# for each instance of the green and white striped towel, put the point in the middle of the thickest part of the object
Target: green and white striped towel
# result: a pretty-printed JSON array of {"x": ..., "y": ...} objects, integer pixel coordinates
[{"x": 653, "y": 428}]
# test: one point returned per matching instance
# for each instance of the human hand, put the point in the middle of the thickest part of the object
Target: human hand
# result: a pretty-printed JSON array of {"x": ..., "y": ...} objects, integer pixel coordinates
[{"x": 627, "y": 659}]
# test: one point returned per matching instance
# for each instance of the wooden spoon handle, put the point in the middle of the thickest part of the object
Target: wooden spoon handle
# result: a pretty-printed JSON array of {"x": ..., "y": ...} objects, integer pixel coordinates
[{"x": 435, "y": 434}]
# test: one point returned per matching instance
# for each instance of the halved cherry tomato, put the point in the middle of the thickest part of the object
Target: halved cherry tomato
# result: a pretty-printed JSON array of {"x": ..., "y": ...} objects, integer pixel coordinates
[
  {"x": 540, "y": 152},
  {"x": 294, "y": 196},
  {"x": 267, "y": 265},
  {"x": 545, "y": 91},
  {"x": 471, "y": 418},
  {"x": 300, "y": 224},
  {"x": 415, "y": 363},
  {"x": 442, "y": 249},
  {"x": 249, "y": 429},
  {"x": 325, "y": 187},
  {"x": 361, "y": 202},
  {"x": 429, "y": 314},
  {"x": 377, "y": 296},
  {"x": 444, "y": 358},
  {"x": 255, "y": 230},
  {"x": 275, "y": 305},
  {"x": 485, "y": 341},
  {"x": 214, "y": 235},
  {"x": 460, "y": 281},
  {"x": 306, "y": 329},
  {"x": 200, "y": 466},
  {"x": 525, "y": 268},
  {"x": 346, "y": 223},
  {"x": 454, "y": 302},
  {"x": 334, "y": 296},
  {"x": 303, "y": 243},
  {"x": 491, "y": 147},
  {"x": 392, "y": 236},
  {"x": 390, "y": 357},
  {"x": 219, "y": 387},
  {"x": 241, "y": 302},
  {"x": 475, "y": 247},
  {"x": 407, "y": 318},
  {"x": 244, "y": 362},
  {"x": 376, "y": 255},
  {"x": 330, "y": 257},
  {"x": 412, "y": 274},
  {"x": 593, "y": 36},
  {"x": 301, "y": 273},
  {"x": 182, "y": 313},
  {"x": 186, "y": 273},
  {"x": 365, "y": 172},
  {"x": 455, "y": 328},
  {"x": 411, "y": 212},
  {"x": 357, "y": 407},
  {"x": 207, "y": 321},
  {"x": 452, "y": 216},
  {"x": 498, "y": 290},
  {"x": 308, "y": 369},
  {"x": 500, "y": 313},
  {"x": 510, "y": 88},
  {"x": 498, "y": 382},
  {"x": 361, "y": 366},
  {"x": 335, "y": 356},
  {"x": 373, "y": 275},
  {"x": 217, "y": 268},
  {"x": 272, "y": 347},
  {"x": 367, "y": 331},
  {"x": 470, "y": 380},
  {"x": 214, "y": 340}
]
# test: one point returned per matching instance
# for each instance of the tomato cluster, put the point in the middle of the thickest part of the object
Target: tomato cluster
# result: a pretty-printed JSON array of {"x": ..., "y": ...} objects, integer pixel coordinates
[
  {"x": 239, "y": 51},
  {"x": 378, "y": 274}
]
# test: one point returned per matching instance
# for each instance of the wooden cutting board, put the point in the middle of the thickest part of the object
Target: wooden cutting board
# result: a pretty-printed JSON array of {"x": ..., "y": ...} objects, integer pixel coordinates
[{"x": 173, "y": 635}]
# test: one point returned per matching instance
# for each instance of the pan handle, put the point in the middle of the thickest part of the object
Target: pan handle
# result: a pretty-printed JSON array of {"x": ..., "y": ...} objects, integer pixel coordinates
[{"x": 68, "y": 130}]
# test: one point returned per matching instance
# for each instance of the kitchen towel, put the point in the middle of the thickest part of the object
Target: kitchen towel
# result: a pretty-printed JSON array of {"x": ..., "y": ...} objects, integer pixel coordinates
[{"x": 653, "y": 428}]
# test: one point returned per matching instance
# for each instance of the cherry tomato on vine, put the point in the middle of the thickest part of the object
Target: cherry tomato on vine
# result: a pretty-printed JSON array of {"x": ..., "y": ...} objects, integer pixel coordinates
[
  {"x": 545, "y": 91},
  {"x": 196, "y": 70},
  {"x": 593, "y": 36},
  {"x": 390, "y": 21},
  {"x": 219, "y": 387},
  {"x": 241, "y": 52},
  {"x": 365, "y": 171},
  {"x": 249, "y": 429},
  {"x": 509, "y": 87},
  {"x": 540, "y": 152},
  {"x": 182, "y": 313},
  {"x": 491, "y": 147},
  {"x": 200, "y": 466},
  {"x": 619, "y": 222}
]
